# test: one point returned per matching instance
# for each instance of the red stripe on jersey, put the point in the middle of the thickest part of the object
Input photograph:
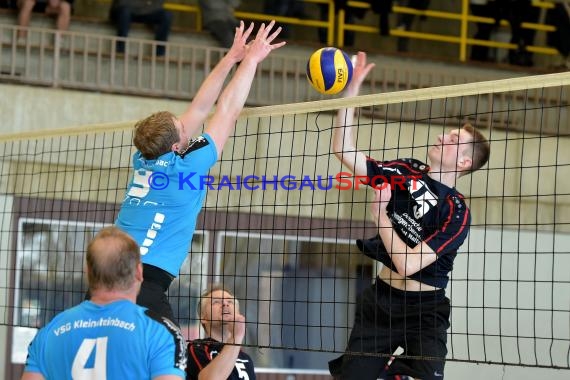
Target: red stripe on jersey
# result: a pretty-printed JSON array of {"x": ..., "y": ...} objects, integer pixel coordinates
[
  {"x": 396, "y": 163},
  {"x": 195, "y": 358},
  {"x": 402, "y": 163},
  {"x": 452, "y": 208},
  {"x": 447, "y": 221},
  {"x": 463, "y": 224}
]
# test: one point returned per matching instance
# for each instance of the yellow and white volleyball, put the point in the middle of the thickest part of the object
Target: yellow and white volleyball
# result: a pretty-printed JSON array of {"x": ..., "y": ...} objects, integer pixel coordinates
[{"x": 329, "y": 70}]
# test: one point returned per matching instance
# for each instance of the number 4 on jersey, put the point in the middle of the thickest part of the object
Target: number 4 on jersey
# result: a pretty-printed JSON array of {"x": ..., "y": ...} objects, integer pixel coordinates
[{"x": 99, "y": 369}]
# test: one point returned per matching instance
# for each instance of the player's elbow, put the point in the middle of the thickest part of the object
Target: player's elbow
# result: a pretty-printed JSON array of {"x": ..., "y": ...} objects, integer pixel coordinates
[
  {"x": 227, "y": 107},
  {"x": 339, "y": 153},
  {"x": 406, "y": 267},
  {"x": 228, "y": 112}
]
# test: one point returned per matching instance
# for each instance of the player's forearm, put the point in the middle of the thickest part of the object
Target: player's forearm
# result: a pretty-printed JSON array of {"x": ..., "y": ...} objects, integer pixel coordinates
[
  {"x": 235, "y": 94},
  {"x": 344, "y": 143},
  {"x": 222, "y": 365},
  {"x": 207, "y": 95},
  {"x": 212, "y": 86},
  {"x": 406, "y": 260},
  {"x": 343, "y": 133}
]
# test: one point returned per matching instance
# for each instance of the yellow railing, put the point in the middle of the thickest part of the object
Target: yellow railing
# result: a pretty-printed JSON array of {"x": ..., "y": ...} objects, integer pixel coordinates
[
  {"x": 188, "y": 8},
  {"x": 464, "y": 18},
  {"x": 335, "y": 24},
  {"x": 328, "y": 24}
]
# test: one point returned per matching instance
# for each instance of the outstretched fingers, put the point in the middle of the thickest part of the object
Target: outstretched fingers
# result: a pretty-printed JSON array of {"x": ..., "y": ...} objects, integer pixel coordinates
[
  {"x": 247, "y": 33},
  {"x": 262, "y": 44},
  {"x": 274, "y": 35}
]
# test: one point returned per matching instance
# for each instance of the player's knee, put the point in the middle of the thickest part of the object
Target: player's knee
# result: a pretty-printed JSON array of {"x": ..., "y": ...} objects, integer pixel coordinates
[
  {"x": 65, "y": 8},
  {"x": 26, "y": 5}
]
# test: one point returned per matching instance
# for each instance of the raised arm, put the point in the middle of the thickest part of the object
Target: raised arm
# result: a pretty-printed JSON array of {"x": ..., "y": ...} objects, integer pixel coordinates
[
  {"x": 233, "y": 98},
  {"x": 344, "y": 145},
  {"x": 201, "y": 106},
  {"x": 224, "y": 363}
]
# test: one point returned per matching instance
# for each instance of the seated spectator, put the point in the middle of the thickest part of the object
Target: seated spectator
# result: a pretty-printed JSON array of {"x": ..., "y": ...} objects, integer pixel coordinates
[
  {"x": 8, "y": 4},
  {"x": 150, "y": 12},
  {"x": 287, "y": 8},
  {"x": 218, "y": 17},
  {"x": 483, "y": 8},
  {"x": 405, "y": 20},
  {"x": 60, "y": 9},
  {"x": 559, "y": 17},
  {"x": 515, "y": 12},
  {"x": 349, "y": 18}
]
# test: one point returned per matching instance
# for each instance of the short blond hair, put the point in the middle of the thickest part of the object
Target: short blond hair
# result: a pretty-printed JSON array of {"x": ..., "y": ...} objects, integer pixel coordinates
[{"x": 155, "y": 135}]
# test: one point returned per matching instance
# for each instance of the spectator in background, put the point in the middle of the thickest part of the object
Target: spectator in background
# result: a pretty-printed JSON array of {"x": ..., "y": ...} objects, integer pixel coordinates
[
  {"x": 349, "y": 18},
  {"x": 218, "y": 17},
  {"x": 382, "y": 8},
  {"x": 150, "y": 12},
  {"x": 8, "y": 4},
  {"x": 516, "y": 12},
  {"x": 287, "y": 8},
  {"x": 60, "y": 9},
  {"x": 483, "y": 8},
  {"x": 405, "y": 20},
  {"x": 559, "y": 17}
]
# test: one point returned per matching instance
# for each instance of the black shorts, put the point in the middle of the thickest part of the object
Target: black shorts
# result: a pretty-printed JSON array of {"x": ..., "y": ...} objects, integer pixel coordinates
[
  {"x": 153, "y": 292},
  {"x": 387, "y": 318}
]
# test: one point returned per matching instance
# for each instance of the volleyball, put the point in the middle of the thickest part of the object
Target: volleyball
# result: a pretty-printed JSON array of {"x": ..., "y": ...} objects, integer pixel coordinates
[{"x": 329, "y": 70}]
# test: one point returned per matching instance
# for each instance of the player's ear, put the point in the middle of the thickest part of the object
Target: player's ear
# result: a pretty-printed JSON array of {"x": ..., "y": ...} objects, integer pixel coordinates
[
  {"x": 464, "y": 163},
  {"x": 139, "y": 272}
]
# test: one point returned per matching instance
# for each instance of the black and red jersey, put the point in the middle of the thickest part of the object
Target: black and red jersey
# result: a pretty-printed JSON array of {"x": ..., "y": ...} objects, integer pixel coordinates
[
  {"x": 421, "y": 209},
  {"x": 202, "y": 351}
]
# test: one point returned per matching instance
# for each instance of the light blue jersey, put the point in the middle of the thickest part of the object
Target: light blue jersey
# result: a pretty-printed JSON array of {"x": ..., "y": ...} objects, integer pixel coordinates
[
  {"x": 163, "y": 201},
  {"x": 119, "y": 340}
]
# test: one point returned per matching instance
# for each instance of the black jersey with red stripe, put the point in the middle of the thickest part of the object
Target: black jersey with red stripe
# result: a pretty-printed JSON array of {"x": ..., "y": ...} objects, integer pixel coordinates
[
  {"x": 421, "y": 209},
  {"x": 202, "y": 351}
]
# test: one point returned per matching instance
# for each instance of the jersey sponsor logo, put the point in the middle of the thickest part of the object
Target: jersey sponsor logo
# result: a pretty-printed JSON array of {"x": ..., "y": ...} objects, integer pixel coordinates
[{"x": 425, "y": 199}]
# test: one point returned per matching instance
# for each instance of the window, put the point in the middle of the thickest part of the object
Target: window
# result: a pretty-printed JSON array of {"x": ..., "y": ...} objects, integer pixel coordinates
[{"x": 295, "y": 292}]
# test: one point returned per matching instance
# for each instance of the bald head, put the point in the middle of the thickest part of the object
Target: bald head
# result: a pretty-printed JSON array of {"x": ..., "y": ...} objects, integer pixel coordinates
[{"x": 112, "y": 260}]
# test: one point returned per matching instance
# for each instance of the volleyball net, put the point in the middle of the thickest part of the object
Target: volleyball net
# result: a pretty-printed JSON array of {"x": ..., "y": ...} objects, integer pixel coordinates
[{"x": 279, "y": 222}]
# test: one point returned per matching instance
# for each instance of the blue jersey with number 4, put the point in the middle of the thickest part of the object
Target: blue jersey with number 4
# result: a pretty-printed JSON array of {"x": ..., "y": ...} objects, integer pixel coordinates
[
  {"x": 119, "y": 340},
  {"x": 163, "y": 201}
]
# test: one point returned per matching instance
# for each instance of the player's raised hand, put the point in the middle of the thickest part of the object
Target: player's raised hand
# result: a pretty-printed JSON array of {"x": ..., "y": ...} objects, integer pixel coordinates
[
  {"x": 262, "y": 45},
  {"x": 238, "y": 332},
  {"x": 239, "y": 47},
  {"x": 360, "y": 70}
]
